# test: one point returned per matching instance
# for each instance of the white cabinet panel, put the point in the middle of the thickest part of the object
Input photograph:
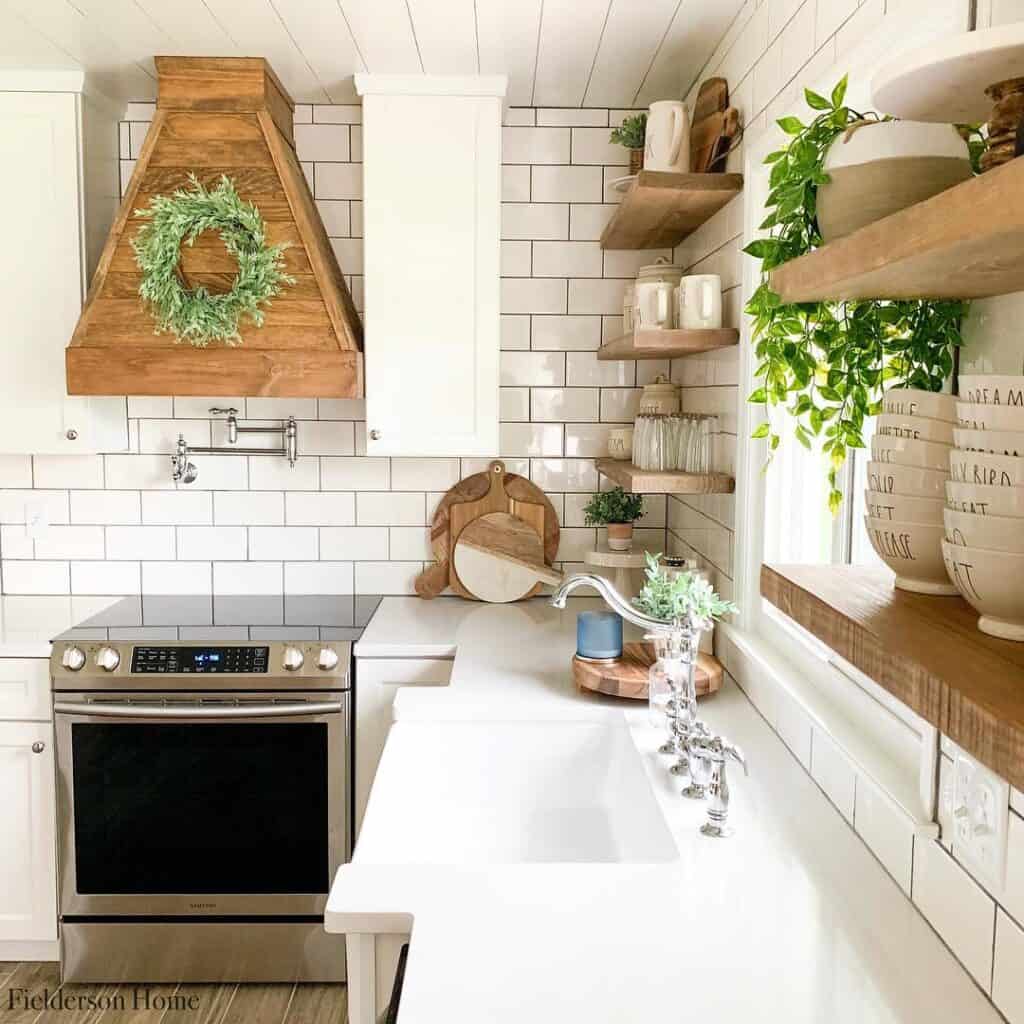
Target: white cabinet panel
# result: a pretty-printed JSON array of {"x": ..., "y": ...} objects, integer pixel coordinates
[
  {"x": 28, "y": 871},
  {"x": 41, "y": 288},
  {"x": 25, "y": 689},
  {"x": 376, "y": 681},
  {"x": 432, "y": 210}
]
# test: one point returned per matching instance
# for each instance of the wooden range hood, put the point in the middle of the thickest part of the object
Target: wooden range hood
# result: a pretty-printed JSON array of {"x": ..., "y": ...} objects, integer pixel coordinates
[{"x": 221, "y": 116}]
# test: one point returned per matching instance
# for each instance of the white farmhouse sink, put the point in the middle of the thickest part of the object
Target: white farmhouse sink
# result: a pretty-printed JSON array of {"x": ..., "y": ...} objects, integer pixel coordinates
[{"x": 511, "y": 793}]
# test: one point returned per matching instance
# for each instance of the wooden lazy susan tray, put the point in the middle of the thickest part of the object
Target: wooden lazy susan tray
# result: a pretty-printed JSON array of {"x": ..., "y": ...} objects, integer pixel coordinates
[{"x": 627, "y": 676}]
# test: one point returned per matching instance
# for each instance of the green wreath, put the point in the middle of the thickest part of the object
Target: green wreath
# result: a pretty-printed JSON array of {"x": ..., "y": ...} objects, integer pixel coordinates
[{"x": 197, "y": 315}]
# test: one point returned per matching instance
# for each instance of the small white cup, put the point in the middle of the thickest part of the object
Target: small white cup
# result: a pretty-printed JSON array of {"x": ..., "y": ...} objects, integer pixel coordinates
[
  {"x": 699, "y": 302},
  {"x": 620, "y": 443}
]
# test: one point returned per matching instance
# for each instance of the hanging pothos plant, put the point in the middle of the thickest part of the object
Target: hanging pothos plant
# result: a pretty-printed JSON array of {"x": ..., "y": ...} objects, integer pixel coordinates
[{"x": 827, "y": 363}]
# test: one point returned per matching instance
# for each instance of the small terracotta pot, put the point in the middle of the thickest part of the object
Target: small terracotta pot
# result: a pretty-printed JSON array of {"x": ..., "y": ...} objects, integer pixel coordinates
[
  {"x": 636, "y": 161},
  {"x": 620, "y": 536}
]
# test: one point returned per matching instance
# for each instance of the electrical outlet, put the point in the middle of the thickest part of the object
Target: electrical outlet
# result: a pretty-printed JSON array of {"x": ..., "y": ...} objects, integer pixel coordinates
[
  {"x": 981, "y": 805},
  {"x": 36, "y": 519}
]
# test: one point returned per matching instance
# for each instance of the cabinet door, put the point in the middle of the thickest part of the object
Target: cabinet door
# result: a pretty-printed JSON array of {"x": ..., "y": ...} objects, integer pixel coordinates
[
  {"x": 28, "y": 866},
  {"x": 432, "y": 210},
  {"x": 42, "y": 282}
]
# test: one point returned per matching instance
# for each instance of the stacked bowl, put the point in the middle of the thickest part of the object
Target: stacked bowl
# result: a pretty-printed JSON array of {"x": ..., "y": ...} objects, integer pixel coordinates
[
  {"x": 984, "y": 519},
  {"x": 906, "y": 487}
]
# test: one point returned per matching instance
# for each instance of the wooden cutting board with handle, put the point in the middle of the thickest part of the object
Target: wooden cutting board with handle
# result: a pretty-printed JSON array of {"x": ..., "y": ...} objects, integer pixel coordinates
[
  {"x": 494, "y": 490},
  {"x": 708, "y": 120}
]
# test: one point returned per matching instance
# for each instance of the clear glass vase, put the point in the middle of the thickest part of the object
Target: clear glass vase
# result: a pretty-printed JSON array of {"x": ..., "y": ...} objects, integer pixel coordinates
[{"x": 671, "y": 680}]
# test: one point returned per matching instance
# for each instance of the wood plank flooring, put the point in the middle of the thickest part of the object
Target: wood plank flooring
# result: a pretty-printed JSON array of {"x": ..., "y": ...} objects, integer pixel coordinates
[{"x": 162, "y": 1004}]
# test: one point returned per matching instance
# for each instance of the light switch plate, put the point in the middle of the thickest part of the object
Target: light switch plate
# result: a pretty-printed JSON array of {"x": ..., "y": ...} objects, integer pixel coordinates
[
  {"x": 36, "y": 519},
  {"x": 981, "y": 807}
]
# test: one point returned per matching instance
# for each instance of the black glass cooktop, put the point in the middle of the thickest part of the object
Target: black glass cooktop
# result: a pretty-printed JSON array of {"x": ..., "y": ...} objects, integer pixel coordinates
[{"x": 150, "y": 618}]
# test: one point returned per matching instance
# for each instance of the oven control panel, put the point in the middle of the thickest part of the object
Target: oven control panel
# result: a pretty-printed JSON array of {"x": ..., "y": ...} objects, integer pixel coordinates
[{"x": 206, "y": 660}]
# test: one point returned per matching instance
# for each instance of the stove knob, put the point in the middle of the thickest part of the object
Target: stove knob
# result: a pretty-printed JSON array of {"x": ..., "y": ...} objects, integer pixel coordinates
[
  {"x": 292, "y": 659},
  {"x": 327, "y": 659},
  {"x": 73, "y": 659},
  {"x": 107, "y": 659}
]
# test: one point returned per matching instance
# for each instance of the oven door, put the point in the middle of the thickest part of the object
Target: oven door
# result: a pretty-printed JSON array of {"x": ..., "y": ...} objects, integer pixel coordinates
[{"x": 181, "y": 806}]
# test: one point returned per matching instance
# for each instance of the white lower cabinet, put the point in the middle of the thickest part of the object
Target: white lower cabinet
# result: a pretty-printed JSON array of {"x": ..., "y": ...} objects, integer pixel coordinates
[
  {"x": 28, "y": 843},
  {"x": 377, "y": 680}
]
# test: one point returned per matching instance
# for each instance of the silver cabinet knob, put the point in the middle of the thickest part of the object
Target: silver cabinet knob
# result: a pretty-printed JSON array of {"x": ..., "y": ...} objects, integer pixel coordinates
[
  {"x": 327, "y": 659},
  {"x": 72, "y": 435},
  {"x": 292, "y": 659},
  {"x": 107, "y": 658},
  {"x": 374, "y": 435},
  {"x": 38, "y": 747},
  {"x": 73, "y": 659}
]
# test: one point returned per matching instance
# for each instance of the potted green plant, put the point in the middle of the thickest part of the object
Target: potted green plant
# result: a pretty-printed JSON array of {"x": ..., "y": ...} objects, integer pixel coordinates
[
  {"x": 631, "y": 134},
  {"x": 826, "y": 364},
  {"x": 618, "y": 511},
  {"x": 680, "y": 597}
]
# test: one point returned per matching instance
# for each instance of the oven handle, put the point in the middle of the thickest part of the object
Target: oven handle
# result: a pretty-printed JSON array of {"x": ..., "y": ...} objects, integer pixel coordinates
[{"x": 250, "y": 711}]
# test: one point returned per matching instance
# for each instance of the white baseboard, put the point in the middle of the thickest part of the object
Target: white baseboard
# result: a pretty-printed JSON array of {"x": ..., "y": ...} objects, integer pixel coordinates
[{"x": 16, "y": 952}]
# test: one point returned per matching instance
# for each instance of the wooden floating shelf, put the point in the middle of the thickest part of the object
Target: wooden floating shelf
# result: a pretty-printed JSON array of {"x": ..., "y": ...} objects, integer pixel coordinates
[
  {"x": 926, "y": 651},
  {"x": 964, "y": 243},
  {"x": 650, "y": 481},
  {"x": 662, "y": 344},
  {"x": 661, "y": 209}
]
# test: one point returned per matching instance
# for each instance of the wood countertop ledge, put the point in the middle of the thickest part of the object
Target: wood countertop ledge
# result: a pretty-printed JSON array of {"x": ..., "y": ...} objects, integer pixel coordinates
[{"x": 926, "y": 651}]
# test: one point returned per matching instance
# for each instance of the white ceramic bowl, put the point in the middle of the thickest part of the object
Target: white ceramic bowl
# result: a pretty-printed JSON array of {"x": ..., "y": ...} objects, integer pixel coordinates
[
  {"x": 974, "y": 416},
  {"x": 992, "y": 389},
  {"x": 995, "y": 533},
  {"x": 916, "y": 428},
  {"x": 990, "y": 581},
  {"x": 991, "y": 332},
  {"x": 903, "y": 507},
  {"x": 914, "y": 402},
  {"x": 998, "y": 442},
  {"x": 913, "y": 551},
  {"x": 906, "y": 452},
  {"x": 986, "y": 469},
  {"x": 889, "y": 478},
  {"x": 985, "y": 501}
]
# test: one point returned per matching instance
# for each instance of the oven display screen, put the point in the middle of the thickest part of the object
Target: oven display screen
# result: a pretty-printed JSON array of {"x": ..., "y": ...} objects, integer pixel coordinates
[{"x": 206, "y": 660}]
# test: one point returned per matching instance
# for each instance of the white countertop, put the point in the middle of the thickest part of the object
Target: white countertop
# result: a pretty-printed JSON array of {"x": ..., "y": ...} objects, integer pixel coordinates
[
  {"x": 29, "y": 623},
  {"x": 409, "y": 627},
  {"x": 792, "y": 913}
]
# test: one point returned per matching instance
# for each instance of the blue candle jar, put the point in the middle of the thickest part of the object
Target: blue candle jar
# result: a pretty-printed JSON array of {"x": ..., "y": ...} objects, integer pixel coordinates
[{"x": 599, "y": 635}]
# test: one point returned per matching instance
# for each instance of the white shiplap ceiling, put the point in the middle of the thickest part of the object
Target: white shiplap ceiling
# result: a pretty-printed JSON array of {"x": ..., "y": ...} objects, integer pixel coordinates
[{"x": 594, "y": 53}]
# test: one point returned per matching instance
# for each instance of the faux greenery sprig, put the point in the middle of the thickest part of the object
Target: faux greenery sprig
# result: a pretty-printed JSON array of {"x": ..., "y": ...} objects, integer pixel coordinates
[
  {"x": 631, "y": 133},
  {"x": 614, "y": 506},
  {"x": 197, "y": 315},
  {"x": 685, "y": 596},
  {"x": 827, "y": 363}
]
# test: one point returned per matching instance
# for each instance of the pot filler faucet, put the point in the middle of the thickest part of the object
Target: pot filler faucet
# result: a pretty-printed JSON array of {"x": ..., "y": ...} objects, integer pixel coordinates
[{"x": 701, "y": 753}]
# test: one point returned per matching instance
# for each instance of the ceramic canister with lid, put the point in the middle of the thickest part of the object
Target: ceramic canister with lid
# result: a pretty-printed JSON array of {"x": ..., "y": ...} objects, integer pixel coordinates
[
  {"x": 660, "y": 396},
  {"x": 653, "y": 295}
]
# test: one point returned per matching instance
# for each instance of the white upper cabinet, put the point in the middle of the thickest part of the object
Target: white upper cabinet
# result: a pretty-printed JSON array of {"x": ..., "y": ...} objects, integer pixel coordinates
[
  {"x": 432, "y": 224},
  {"x": 58, "y": 151}
]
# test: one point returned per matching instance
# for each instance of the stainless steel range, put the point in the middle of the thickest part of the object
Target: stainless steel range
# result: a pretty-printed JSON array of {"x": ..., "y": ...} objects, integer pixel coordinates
[{"x": 204, "y": 760}]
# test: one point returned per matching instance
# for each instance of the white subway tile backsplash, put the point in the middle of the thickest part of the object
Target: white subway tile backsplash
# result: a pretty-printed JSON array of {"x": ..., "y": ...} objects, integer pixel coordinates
[
  {"x": 515, "y": 184},
  {"x": 322, "y": 142},
  {"x": 356, "y": 474},
  {"x": 338, "y": 181},
  {"x": 409, "y": 544},
  {"x": 596, "y": 296},
  {"x": 535, "y": 145},
  {"x": 619, "y": 405},
  {"x": 525, "y": 439},
  {"x": 587, "y": 221},
  {"x": 532, "y": 295},
  {"x": 833, "y": 772},
  {"x": 424, "y": 474},
  {"x": 386, "y": 577},
  {"x": 515, "y": 405},
  {"x": 272, "y": 472},
  {"x": 571, "y": 116},
  {"x": 887, "y": 831},
  {"x": 564, "y": 474},
  {"x": 15, "y": 470},
  {"x": 566, "y": 184},
  {"x": 515, "y": 333},
  {"x": 524, "y": 369},
  {"x": 110, "y": 578},
  {"x": 313, "y": 578},
  {"x": 16, "y": 542},
  {"x": 177, "y": 578},
  {"x": 138, "y": 472},
  {"x": 391, "y": 508},
  {"x": 516, "y": 259},
  {"x": 141, "y": 543},
  {"x": 105, "y": 507},
  {"x": 586, "y": 440},
  {"x": 583, "y": 370},
  {"x": 355, "y": 543},
  {"x": 213, "y": 543},
  {"x": 534, "y": 220},
  {"x": 336, "y": 215},
  {"x": 593, "y": 146},
  {"x": 566, "y": 333},
  {"x": 1007, "y": 977},
  {"x": 82, "y": 471},
  {"x": 35, "y": 577},
  {"x": 18, "y": 506},
  {"x": 232, "y": 578},
  {"x": 308, "y": 508},
  {"x": 338, "y": 113},
  {"x": 567, "y": 259},
  {"x": 564, "y": 404},
  {"x": 253, "y": 508},
  {"x": 71, "y": 542},
  {"x": 284, "y": 543},
  {"x": 174, "y": 507}
]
